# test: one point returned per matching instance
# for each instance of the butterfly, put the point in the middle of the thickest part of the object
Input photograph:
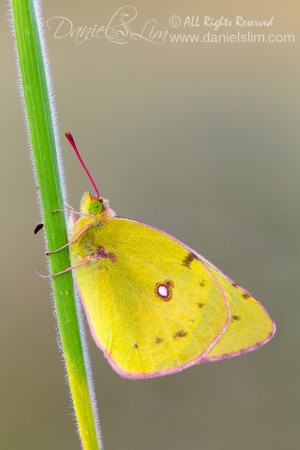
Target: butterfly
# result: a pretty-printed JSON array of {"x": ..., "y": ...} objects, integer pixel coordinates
[{"x": 155, "y": 306}]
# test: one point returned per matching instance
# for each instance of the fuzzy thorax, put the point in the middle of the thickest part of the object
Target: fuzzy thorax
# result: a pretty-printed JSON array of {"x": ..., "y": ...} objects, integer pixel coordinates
[{"x": 82, "y": 230}]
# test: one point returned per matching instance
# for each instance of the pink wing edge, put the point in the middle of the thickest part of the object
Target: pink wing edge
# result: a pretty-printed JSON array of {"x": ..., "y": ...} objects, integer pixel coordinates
[{"x": 201, "y": 358}]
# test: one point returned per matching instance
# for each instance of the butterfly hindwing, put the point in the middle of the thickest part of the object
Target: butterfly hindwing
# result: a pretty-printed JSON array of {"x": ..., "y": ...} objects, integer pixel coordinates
[{"x": 152, "y": 306}]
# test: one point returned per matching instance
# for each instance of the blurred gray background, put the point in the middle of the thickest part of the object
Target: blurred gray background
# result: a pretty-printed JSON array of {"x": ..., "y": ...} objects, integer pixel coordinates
[{"x": 201, "y": 141}]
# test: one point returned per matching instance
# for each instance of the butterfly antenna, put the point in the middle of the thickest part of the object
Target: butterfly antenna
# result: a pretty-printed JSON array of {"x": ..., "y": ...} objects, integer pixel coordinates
[{"x": 72, "y": 142}]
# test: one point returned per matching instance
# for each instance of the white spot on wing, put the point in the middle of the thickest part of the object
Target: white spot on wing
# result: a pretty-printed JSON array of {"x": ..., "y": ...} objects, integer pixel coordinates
[{"x": 163, "y": 291}]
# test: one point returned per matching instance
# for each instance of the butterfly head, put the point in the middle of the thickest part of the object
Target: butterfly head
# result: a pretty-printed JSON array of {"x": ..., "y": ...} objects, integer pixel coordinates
[{"x": 99, "y": 207}]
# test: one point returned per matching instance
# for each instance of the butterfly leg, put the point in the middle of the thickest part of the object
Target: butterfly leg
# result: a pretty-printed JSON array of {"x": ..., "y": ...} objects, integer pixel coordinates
[
  {"x": 71, "y": 210},
  {"x": 73, "y": 213},
  {"x": 72, "y": 240},
  {"x": 85, "y": 261}
]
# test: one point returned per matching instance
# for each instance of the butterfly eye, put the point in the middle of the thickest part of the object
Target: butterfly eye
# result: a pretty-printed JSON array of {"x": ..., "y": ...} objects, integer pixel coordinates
[{"x": 95, "y": 207}]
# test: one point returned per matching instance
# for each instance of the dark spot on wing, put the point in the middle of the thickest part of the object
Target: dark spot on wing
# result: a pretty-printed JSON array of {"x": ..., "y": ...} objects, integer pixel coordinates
[
  {"x": 200, "y": 305},
  {"x": 158, "y": 340},
  {"x": 245, "y": 295},
  {"x": 235, "y": 285},
  {"x": 235, "y": 318},
  {"x": 135, "y": 346},
  {"x": 189, "y": 259},
  {"x": 102, "y": 253},
  {"x": 179, "y": 334},
  {"x": 202, "y": 283}
]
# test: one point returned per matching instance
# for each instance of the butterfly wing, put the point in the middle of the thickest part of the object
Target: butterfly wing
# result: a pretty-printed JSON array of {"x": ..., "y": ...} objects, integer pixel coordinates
[
  {"x": 155, "y": 307},
  {"x": 250, "y": 325}
]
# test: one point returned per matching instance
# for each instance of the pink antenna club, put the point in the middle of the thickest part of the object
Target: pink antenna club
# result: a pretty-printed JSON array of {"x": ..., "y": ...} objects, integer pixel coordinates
[{"x": 72, "y": 142}]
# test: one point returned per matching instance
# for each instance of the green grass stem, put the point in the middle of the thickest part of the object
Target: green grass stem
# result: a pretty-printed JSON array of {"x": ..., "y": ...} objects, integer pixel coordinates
[{"x": 48, "y": 171}]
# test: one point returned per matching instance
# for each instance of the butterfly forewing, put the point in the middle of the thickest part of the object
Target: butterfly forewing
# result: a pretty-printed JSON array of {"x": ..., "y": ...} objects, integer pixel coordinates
[{"x": 250, "y": 325}]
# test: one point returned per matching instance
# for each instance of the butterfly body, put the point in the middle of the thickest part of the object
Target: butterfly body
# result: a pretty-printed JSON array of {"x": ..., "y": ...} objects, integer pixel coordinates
[{"x": 155, "y": 306}]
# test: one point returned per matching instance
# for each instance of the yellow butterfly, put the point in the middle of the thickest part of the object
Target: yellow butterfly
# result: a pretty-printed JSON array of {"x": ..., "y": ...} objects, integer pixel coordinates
[{"x": 154, "y": 306}]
